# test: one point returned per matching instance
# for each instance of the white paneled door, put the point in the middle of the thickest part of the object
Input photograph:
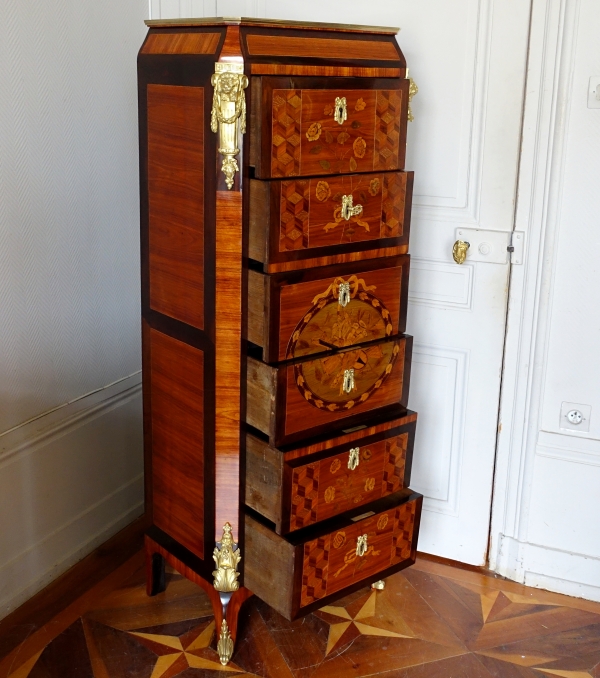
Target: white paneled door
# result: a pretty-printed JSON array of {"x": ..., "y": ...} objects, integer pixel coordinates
[{"x": 469, "y": 60}]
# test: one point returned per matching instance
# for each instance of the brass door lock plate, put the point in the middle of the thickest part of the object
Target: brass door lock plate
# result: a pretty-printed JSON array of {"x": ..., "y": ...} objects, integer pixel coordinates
[{"x": 492, "y": 247}]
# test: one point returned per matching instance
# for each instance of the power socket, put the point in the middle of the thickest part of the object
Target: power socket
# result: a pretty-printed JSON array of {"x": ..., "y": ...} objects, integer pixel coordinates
[
  {"x": 575, "y": 417},
  {"x": 594, "y": 92}
]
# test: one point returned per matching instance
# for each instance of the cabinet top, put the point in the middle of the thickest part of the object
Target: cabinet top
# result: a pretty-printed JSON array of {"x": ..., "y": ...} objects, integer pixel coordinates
[{"x": 279, "y": 23}]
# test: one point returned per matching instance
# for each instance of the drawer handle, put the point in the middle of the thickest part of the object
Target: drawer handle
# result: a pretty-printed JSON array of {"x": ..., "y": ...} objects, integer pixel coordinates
[
  {"x": 340, "y": 114},
  {"x": 343, "y": 294},
  {"x": 348, "y": 209},
  {"x": 361, "y": 545},
  {"x": 354, "y": 458},
  {"x": 348, "y": 382}
]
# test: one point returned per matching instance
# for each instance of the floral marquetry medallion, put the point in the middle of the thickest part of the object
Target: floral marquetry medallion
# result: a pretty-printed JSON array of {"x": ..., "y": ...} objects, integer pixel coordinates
[
  {"x": 344, "y": 380},
  {"x": 335, "y": 322}
]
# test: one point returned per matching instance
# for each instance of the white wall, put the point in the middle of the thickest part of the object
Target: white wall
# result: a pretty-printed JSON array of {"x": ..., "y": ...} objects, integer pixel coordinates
[
  {"x": 546, "y": 530},
  {"x": 70, "y": 466}
]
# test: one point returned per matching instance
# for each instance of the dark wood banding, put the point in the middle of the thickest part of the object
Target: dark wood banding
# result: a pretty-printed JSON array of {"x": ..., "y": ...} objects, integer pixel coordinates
[{"x": 330, "y": 259}]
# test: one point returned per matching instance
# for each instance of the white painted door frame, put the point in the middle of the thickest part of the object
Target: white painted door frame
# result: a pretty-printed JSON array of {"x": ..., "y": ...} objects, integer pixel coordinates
[{"x": 550, "y": 68}]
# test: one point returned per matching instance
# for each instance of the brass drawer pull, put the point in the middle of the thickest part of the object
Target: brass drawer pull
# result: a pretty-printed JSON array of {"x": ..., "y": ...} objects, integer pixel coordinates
[
  {"x": 348, "y": 209},
  {"x": 348, "y": 382},
  {"x": 340, "y": 114},
  {"x": 354, "y": 458},
  {"x": 361, "y": 545}
]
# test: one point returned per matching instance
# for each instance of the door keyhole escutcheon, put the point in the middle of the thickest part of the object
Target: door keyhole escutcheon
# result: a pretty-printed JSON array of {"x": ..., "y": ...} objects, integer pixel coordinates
[{"x": 340, "y": 113}]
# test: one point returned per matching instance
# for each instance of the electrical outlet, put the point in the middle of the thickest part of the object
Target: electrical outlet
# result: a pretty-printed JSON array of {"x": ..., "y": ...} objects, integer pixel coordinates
[
  {"x": 575, "y": 417},
  {"x": 594, "y": 92}
]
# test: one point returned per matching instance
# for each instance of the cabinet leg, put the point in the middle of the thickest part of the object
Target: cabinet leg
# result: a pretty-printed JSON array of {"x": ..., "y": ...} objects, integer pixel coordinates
[
  {"x": 231, "y": 604},
  {"x": 155, "y": 573},
  {"x": 226, "y": 606}
]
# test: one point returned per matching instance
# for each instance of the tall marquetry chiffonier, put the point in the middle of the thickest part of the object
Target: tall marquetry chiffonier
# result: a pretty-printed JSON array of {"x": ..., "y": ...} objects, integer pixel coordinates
[{"x": 275, "y": 218}]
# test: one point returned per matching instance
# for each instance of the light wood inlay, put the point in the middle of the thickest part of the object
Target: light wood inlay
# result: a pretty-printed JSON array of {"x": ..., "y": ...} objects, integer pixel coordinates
[
  {"x": 322, "y": 48},
  {"x": 446, "y": 606},
  {"x": 181, "y": 43},
  {"x": 337, "y": 326}
]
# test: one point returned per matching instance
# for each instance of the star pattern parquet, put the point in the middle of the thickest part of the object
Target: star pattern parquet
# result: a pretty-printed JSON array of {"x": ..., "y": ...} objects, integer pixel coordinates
[{"x": 431, "y": 621}]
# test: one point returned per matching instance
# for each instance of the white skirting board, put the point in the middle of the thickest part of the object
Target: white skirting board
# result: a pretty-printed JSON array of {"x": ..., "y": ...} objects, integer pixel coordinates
[
  {"x": 546, "y": 568},
  {"x": 69, "y": 480}
]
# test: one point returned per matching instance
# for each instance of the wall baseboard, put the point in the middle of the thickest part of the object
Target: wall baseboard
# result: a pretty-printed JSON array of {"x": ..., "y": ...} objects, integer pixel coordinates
[
  {"x": 69, "y": 480},
  {"x": 66, "y": 589},
  {"x": 543, "y": 567}
]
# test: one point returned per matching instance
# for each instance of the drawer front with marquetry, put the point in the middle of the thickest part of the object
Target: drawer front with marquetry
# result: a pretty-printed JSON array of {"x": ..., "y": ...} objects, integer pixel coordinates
[
  {"x": 339, "y": 558},
  {"x": 298, "y": 219},
  {"x": 298, "y": 487},
  {"x": 349, "y": 555},
  {"x": 308, "y": 131},
  {"x": 308, "y": 397},
  {"x": 355, "y": 477},
  {"x": 318, "y": 310}
]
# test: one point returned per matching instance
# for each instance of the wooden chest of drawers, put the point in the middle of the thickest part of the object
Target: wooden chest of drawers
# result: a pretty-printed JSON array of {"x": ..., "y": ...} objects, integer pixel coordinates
[{"x": 275, "y": 212}]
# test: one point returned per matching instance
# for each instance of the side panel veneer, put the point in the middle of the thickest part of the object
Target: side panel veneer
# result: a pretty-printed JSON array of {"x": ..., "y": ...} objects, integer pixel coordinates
[
  {"x": 177, "y": 402},
  {"x": 176, "y": 201}
]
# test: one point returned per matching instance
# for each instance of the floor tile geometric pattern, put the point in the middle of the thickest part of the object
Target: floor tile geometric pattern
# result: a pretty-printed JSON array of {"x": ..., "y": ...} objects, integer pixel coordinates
[{"x": 431, "y": 621}]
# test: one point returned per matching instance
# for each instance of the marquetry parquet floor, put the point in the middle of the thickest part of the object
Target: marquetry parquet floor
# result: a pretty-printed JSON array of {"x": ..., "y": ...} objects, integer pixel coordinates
[{"x": 431, "y": 621}]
